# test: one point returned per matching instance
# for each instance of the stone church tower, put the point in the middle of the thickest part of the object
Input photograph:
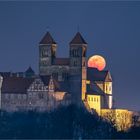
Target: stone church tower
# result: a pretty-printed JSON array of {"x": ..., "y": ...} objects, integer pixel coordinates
[
  {"x": 78, "y": 48},
  {"x": 47, "y": 54},
  {"x": 72, "y": 70}
]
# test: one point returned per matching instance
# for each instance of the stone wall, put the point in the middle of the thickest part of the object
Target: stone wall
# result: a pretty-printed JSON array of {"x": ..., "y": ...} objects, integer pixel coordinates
[
  {"x": 36, "y": 100},
  {"x": 13, "y": 101}
]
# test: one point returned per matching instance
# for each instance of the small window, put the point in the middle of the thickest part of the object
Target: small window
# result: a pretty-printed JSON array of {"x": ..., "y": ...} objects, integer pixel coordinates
[
  {"x": 97, "y": 99},
  {"x": 89, "y": 98},
  {"x": 84, "y": 64},
  {"x": 40, "y": 95},
  {"x": 110, "y": 88},
  {"x": 94, "y": 99},
  {"x": 106, "y": 87},
  {"x": 75, "y": 63},
  {"x": 73, "y": 53}
]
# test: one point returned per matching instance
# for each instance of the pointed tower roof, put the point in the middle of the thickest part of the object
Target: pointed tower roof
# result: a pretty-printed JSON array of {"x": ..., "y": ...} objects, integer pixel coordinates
[
  {"x": 29, "y": 70},
  {"x": 47, "y": 39},
  {"x": 78, "y": 39}
]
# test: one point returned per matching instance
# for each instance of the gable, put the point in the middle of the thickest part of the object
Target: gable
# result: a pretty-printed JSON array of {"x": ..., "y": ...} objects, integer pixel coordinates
[
  {"x": 108, "y": 77},
  {"x": 38, "y": 85}
]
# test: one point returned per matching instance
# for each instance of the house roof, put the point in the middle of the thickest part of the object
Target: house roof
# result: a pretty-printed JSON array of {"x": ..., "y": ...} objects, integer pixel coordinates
[
  {"x": 61, "y": 61},
  {"x": 16, "y": 84},
  {"x": 47, "y": 39},
  {"x": 94, "y": 89},
  {"x": 78, "y": 39},
  {"x": 94, "y": 74}
]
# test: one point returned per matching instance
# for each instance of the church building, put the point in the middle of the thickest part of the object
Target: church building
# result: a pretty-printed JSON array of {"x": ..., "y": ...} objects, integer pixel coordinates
[{"x": 61, "y": 81}]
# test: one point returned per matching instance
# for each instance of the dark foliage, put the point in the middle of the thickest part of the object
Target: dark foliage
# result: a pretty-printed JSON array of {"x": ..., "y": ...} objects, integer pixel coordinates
[
  {"x": 133, "y": 133},
  {"x": 69, "y": 122}
]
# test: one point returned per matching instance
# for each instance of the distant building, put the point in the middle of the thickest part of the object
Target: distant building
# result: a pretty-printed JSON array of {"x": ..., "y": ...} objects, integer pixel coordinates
[{"x": 61, "y": 81}]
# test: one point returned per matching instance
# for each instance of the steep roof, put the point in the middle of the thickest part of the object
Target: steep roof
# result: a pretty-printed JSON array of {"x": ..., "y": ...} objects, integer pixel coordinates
[
  {"x": 78, "y": 39},
  {"x": 47, "y": 39},
  {"x": 94, "y": 74},
  {"x": 29, "y": 70},
  {"x": 61, "y": 61},
  {"x": 94, "y": 89},
  {"x": 16, "y": 84}
]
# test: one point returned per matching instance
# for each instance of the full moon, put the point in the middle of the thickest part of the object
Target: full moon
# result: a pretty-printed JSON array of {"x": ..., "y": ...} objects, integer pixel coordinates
[{"x": 97, "y": 61}]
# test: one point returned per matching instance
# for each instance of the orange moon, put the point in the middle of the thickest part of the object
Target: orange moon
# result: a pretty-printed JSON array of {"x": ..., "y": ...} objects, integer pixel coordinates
[{"x": 97, "y": 61}]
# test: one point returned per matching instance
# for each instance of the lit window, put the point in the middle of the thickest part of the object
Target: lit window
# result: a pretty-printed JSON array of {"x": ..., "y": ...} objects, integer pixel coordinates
[
  {"x": 110, "y": 88},
  {"x": 106, "y": 87}
]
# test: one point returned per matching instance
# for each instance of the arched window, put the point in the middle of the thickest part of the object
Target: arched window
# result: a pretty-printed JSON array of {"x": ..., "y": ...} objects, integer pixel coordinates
[
  {"x": 73, "y": 52},
  {"x": 75, "y": 63}
]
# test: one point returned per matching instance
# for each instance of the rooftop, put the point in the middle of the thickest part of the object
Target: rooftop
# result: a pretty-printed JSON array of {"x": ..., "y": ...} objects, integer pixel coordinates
[
  {"x": 47, "y": 39},
  {"x": 78, "y": 39},
  {"x": 94, "y": 74}
]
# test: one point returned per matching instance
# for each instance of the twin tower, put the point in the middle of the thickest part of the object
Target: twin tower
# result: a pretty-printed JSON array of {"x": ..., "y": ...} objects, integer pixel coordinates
[{"x": 72, "y": 70}]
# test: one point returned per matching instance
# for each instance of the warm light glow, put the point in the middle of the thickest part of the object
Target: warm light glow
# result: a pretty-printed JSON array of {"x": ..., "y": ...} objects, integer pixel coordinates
[{"x": 97, "y": 61}]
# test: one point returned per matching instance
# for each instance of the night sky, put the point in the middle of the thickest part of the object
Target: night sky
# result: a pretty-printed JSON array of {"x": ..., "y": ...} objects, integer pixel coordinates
[{"x": 111, "y": 29}]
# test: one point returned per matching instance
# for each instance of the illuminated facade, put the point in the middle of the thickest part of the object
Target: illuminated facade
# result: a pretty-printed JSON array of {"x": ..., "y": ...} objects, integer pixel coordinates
[{"x": 99, "y": 90}]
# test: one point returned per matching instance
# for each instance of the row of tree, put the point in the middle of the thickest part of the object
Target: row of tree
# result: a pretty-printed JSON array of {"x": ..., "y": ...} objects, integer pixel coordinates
[{"x": 69, "y": 122}]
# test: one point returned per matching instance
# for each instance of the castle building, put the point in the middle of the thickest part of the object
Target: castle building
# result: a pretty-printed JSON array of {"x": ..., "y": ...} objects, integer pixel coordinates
[{"x": 61, "y": 81}]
